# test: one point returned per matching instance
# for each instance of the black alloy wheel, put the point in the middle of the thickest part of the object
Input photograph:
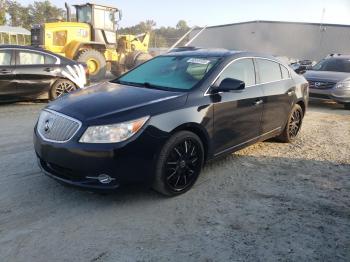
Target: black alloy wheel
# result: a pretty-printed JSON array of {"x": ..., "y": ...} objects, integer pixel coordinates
[
  {"x": 293, "y": 125},
  {"x": 179, "y": 164}
]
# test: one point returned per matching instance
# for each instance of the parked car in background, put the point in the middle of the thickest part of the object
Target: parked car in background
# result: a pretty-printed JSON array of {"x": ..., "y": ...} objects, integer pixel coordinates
[
  {"x": 160, "y": 122},
  {"x": 301, "y": 66},
  {"x": 31, "y": 73},
  {"x": 330, "y": 79}
]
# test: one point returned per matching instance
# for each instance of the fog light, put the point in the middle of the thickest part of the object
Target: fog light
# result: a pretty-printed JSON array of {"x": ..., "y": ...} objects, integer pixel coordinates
[{"x": 103, "y": 178}]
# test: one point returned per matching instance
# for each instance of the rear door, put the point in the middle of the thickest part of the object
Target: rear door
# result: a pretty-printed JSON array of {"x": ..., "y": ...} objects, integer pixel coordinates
[
  {"x": 7, "y": 67},
  {"x": 278, "y": 89},
  {"x": 35, "y": 72},
  {"x": 237, "y": 114}
]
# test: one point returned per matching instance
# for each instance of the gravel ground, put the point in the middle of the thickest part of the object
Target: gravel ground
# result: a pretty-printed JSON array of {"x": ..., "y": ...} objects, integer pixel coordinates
[{"x": 268, "y": 202}]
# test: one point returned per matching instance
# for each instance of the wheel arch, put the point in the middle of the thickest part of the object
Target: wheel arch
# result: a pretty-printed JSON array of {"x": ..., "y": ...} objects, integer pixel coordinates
[
  {"x": 200, "y": 132},
  {"x": 301, "y": 103},
  {"x": 72, "y": 49}
]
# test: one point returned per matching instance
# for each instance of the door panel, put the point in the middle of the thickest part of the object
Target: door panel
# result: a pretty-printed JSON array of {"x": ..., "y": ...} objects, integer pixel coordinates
[
  {"x": 237, "y": 114},
  {"x": 237, "y": 118},
  {"x": 7, "y": 85},
  {"x": 34, "y": 74},
  {"x": 277, "y": 87}
]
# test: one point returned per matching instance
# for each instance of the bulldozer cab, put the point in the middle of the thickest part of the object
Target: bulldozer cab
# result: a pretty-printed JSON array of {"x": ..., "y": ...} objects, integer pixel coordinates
[{"x": 102, "y": 19}]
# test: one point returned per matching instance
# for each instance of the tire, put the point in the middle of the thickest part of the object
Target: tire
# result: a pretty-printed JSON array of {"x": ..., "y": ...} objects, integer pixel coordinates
[
  {"x": 347, "y": 106},
  {"x": 60, "y": 88},
  {"x": 141, "y": 58},
  {"x": 136, "y": 58},
  {"x": 117, "y": 69},
  {"x": 176, "y": 170},
  {"x": 96, "y": 63},
  {"x": 293, "y": 125}
]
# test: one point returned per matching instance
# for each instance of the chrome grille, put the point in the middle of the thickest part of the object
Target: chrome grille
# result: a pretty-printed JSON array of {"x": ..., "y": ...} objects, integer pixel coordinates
[
  {"x": 56, "y": 127},
  {"x": 321, "y": 84}
]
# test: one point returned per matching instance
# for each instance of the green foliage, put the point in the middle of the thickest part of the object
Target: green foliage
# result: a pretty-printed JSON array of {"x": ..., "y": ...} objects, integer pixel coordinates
[
  {"x": 36, "y": 13},
  {"x": 2, "y": 12}
]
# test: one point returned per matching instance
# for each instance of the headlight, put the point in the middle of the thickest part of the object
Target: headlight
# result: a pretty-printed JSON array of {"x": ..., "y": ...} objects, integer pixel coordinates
[
  {"x": 112, "y": 133},
  {"x": 343, "y": 84}
]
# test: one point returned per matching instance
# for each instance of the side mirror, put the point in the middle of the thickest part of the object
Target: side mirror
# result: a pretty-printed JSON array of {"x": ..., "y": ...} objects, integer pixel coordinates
[{"x": 230, "y": 84}]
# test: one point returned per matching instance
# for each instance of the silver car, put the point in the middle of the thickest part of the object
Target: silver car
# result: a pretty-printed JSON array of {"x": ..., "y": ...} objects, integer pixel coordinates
[{"x": 330, "y": 79}]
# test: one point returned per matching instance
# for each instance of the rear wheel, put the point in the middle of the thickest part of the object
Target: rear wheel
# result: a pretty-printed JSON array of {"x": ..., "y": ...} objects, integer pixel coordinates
[
  {"x": 61, "y": 87},
  {"x": 95, "y": 62},
  {"x": 179, "y": 164},
  {"x": 293, "y": 126}
]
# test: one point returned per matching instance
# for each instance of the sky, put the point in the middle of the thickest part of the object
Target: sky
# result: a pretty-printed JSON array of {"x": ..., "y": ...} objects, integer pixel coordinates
[{"x": 209, "y": 12}]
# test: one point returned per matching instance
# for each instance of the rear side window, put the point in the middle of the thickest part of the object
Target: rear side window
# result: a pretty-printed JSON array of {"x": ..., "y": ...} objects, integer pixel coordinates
[
  {"x": 269, "y": 71},
  {"x": 5, "y": 57},
  {"x": 242, "y": 69},
  {"x": 33, "y": 58},
  {"x": 285, "y": 72}
]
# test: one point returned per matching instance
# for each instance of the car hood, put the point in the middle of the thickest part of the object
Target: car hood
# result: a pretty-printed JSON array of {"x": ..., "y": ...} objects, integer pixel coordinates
[
  {"x": 106, "y": 101},
  {"x": 326, "y": 75}
]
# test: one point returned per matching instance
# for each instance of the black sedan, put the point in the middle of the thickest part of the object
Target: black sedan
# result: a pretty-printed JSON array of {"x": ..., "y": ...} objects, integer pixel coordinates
[
  {"x": 30, "y": 73},
  {"x": 161, "y": 122}
]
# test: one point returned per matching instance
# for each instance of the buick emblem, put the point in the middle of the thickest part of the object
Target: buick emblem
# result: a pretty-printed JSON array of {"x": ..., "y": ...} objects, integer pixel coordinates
[
  {"x": 47, "y": 126},
  {"x": 317, "y": 84}
]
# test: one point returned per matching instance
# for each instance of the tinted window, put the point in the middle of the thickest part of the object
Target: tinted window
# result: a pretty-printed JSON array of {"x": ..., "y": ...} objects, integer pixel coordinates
[
  {"x": 269, "y": 71},
  {"x": 169, "y": 72},
  {"x": 333, "y": 64},
  {"x": 285, "y": 72},
  {"x": 242, "y": 70},
  {"x": 32, "y": 58},
  {"x": 5, "y": 57}
]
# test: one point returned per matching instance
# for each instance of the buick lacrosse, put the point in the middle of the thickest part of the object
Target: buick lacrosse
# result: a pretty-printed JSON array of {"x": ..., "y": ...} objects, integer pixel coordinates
[{"x": 161, "y": 122}]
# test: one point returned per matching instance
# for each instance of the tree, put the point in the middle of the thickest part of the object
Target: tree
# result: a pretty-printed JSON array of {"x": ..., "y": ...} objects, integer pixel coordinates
[
  {"x": 42, "y": 12},
  {"x": 2, "y": 12},
  {"x": 182, "y": 26},
  {"x": 18, "y": 14}
]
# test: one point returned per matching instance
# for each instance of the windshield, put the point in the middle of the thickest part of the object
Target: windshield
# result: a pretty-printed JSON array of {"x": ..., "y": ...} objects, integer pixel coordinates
[
  {"x": 333, "y": 64},
  {"x": 84, "y": 14},
  {"x": 169, "y": 72}
]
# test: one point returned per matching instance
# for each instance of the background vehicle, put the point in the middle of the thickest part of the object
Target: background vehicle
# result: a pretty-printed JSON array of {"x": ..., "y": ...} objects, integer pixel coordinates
[
  {"x": 330, "y": 79},
  {"x": 93, "y": 40},
  {"x": 161, "y": 121},
  {"x": 28, "y": 73}
]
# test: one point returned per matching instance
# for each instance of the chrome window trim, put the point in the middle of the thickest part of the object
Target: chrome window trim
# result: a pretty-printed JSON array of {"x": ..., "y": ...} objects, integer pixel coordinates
[
  {"x": 206, "y": 93},
  {"x": 58, "y": 60},
  {"x": 64, "y": 116}
]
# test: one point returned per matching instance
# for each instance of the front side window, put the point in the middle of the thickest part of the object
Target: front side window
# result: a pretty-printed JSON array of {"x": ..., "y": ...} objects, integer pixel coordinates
[
  {"x": 333, "y": 64},
  {"x": 32, "y": 58},
  {"x": 84, "y": 14},
  {"x": 170, "y": 72},
  {"x": 242, "y": 69},
  {"x": 5, "y": 57},
  {"x": 269, "y": 71}
]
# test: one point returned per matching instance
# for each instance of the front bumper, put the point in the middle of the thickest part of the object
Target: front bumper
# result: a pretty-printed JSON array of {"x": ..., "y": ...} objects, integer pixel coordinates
[
  {"x": 79, "y": 164},
  {"x": 338, "y": 95}
]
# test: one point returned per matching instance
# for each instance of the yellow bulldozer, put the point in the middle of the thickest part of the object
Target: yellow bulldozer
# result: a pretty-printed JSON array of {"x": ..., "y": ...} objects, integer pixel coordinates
[{"x": 93, "y": 39}]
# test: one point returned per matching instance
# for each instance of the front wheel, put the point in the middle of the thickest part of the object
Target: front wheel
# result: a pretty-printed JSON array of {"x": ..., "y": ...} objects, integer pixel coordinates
[
  {"x": 61, "y": 87},
  {"x": 293, "y": 125},
  {"x": 179, "y": 164}
]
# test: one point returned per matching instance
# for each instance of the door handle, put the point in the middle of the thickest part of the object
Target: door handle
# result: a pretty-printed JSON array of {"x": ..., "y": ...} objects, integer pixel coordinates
[
  {"x": 258, "y": 102},
  {"x": 5, "y": 71},
  {"x": 48, "y": 69}
]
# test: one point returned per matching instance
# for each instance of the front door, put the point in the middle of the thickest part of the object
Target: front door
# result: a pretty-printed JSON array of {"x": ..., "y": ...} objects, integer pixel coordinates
[
  {"x": 35, "y": 72},
  {"x": 7, "y": 84},
  {"x": 237, "y": 114}
]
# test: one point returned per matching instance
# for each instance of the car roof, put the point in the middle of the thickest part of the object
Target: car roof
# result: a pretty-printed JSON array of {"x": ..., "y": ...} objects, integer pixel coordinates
[
  {"x": 216, "y": 52},
  {"x": 32, "y": 48}
]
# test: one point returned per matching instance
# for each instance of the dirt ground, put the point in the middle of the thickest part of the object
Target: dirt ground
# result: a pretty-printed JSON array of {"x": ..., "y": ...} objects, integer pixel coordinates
[{"x": 269, "y": 202}]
